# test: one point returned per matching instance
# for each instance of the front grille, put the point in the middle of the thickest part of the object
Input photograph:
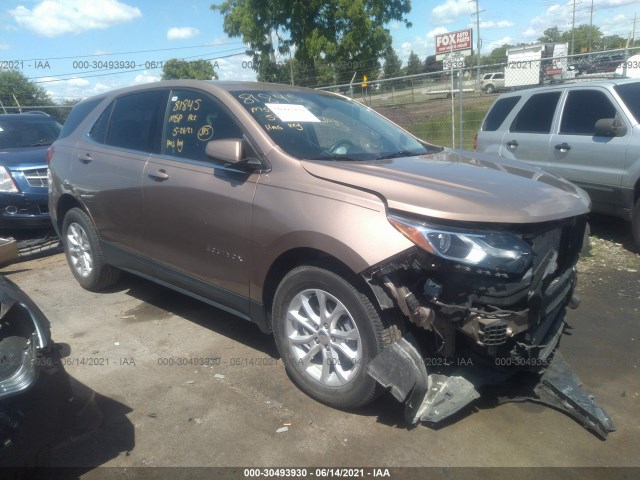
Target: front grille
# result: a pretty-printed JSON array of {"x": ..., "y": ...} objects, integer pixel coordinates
[
  {"x": 494, "y": 334},
  {"x": 36, "y": 177}
]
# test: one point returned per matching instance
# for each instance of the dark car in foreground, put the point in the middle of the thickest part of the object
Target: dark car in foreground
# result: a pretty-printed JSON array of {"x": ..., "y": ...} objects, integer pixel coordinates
[
  {"x": 24, "y": 140},
  {"x": 377, "y": 260},
  {"x": 34, "y": 388}
]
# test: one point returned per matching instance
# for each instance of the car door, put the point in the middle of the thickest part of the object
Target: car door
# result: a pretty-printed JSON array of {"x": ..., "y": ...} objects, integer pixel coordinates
[
  {"x": 527, "y": 138},
  {"x": 109, "y": 164},
  {"x": 197, "y": 209},
  {"x": 595, "y": 163}
]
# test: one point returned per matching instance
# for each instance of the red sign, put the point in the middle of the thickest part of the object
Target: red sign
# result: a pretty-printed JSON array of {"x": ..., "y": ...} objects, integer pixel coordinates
[{"x": 454, "y": 41}]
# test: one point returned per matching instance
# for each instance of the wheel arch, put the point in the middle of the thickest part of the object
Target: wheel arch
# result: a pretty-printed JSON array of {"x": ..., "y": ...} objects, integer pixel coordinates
[
  {"x": 291, "y": 259},
  {"x": 296, "y": 257},
  {"x": 65, "y": 203}
]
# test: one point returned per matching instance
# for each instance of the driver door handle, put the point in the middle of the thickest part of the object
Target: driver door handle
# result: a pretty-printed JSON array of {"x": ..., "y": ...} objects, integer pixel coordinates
[
  {"x": 160, "y": 175},
  {"x": 512, "y": 144},
  {"x": 563, "y": 147}
]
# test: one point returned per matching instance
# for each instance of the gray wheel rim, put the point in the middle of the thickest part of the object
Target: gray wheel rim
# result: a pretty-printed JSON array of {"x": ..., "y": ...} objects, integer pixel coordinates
[
  {"x": 323, "y": 338},
  {"x": 79, "y": 250}
]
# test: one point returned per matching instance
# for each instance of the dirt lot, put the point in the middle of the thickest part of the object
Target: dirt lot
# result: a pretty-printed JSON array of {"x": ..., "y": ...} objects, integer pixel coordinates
[{"x": 179, "y": 383}]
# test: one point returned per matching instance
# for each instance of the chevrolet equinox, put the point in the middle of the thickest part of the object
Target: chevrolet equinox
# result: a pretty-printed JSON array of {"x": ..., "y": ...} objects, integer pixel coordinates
[{"x": 362, "y": 248}]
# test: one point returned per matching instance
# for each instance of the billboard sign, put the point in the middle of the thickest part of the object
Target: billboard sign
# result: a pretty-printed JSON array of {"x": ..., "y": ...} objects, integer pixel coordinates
[{"x": 460, "y": 41}]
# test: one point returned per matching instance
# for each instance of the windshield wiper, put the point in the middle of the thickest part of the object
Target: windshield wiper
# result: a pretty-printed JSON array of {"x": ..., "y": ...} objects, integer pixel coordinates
[
  {"x": 41, "y": 143},
  {"x": 333, "y": 157},
  {"x": 401, "y": 153}
]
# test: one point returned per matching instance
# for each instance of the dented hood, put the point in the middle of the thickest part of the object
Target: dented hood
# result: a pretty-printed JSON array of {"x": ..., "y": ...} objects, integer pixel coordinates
[{"x": 460, "y": 185}]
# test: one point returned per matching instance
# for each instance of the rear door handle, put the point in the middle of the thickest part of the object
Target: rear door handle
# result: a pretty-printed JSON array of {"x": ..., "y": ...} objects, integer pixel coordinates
[
  {"x": 159, "y": 176},
  {"x": 563, "y": 147},
  {"x": 512, "y": 144},
  {"x": 86, "y": 158}
]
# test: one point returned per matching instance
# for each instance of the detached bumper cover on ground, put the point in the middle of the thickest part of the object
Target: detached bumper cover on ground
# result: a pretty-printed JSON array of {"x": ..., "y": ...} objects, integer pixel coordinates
[{"x": 433, "y": 397}]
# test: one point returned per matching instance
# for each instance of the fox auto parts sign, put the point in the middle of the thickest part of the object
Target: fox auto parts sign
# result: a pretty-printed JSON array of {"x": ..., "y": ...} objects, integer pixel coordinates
[{"x": 454, "y": 42}]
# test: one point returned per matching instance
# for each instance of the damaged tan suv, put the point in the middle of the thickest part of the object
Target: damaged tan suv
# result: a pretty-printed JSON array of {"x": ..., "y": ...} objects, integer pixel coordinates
[{"x": 376, "y": 260}]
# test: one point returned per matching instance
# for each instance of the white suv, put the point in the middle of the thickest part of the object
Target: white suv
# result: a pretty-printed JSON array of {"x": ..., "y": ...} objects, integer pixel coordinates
[{"x": 492, "y": 82}]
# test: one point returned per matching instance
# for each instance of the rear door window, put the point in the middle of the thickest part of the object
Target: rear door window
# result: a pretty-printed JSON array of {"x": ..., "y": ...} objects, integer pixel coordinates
[
  {"x": 536, "y": 115},
  {"x": 582, "y": 109},
  {"x": 500, "y": 110}
]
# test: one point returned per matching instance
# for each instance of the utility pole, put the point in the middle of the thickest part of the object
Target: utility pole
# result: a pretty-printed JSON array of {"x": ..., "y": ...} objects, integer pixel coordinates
[
  {"x": 478, "y": 42},
  {"x": 573, "y": 27},
  {"x": 590, "y": 26}
]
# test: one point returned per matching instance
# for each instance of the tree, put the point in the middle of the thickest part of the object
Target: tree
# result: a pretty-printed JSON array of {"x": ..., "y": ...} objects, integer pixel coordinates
[
  {"x": 414, "y": 64},
  {"x": 551, "y": 35},
  {"x": 330, "y": 32},
  {"x": 610, "y": 42},
  {"x": 432, "y": 65},
  {"x": 17, "y": 91},
  {"x": 498, "y": 55},
  {"x": 392, "y": 63},
  {"x": 175, "y": 69},
  {"x": 583, "y": 36}
]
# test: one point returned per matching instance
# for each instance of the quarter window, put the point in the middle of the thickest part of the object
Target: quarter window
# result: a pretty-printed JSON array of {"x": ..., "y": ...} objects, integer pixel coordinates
[
  {"x": 583, "y": 109},
  {"x": 536, "y": 116},
  {"x": 135, "y": 121},
  {"x": 500, "y": 110},
  {"x": 192, "y": 120}
]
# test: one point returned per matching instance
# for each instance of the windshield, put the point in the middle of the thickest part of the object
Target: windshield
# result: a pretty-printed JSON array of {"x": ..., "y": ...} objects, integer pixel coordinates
[
  {"x": 19, "y": 132},
  {"x": 630, "y": 95},
  {"x": 320, "y": 126}
]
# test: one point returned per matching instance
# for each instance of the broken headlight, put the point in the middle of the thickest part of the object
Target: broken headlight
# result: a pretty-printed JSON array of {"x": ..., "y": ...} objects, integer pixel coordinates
[{"x": 496, "y": 251}]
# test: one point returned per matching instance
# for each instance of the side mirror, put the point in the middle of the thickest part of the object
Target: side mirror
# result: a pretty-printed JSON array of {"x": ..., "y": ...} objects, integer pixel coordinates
[
  {"x": 610, "y": 127},
  {"x": 227, "y": 150}
]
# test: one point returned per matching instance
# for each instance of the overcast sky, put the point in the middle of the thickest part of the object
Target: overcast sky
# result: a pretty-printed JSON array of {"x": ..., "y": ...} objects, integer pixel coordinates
[{"x": 70, "y": 46}]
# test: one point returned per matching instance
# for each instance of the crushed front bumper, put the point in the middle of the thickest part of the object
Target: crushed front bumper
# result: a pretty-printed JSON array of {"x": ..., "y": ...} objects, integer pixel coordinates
[{"x": 478, "y": 327}]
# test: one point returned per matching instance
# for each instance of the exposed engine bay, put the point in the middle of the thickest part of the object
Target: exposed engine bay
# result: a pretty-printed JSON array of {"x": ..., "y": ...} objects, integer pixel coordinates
[{"x": 483, "y": 324}]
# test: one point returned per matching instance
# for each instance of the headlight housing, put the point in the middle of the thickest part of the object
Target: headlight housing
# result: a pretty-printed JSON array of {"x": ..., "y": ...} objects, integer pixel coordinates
[
  {"x": 494, "y": 251},
  {"x": 6, "y": 182}
]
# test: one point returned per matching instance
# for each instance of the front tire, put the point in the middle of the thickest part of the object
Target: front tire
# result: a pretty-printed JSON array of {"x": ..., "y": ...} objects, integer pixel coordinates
[
  {"x": 83, "y": 252},
  {"x": 327, "y": 332}
]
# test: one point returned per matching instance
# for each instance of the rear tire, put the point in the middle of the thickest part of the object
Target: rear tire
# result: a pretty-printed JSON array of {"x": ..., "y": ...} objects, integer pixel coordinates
[
  {"x": 84, "y": 254},
  {"x": 327, "y": 332}
]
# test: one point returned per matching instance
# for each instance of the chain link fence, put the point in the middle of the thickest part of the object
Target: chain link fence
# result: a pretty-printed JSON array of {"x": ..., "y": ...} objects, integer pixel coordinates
[{"x": 447, "y": 107}]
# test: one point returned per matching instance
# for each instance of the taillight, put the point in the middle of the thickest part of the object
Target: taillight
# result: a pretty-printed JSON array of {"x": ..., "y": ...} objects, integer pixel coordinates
[
  {"x": 50, "y": 151},
  {"x": 475, "y": 142}
]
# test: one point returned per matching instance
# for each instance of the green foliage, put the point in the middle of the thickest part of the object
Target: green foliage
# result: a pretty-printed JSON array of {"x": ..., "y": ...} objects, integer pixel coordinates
[
  {"x": 175, "y": 69},
  {"x": 498, "y": 55},
  {"x": 346, "y": 36},
  {"x": 392, "y": 64},
  {"x": 432, "y": 65},
  {"x": 15, "y": 87},
  {"x": 551, "y": 35},
  {"x": 584, "y": 36},
  {"x": 414, "y": 64},
  {"x": 437, "y": 130}
]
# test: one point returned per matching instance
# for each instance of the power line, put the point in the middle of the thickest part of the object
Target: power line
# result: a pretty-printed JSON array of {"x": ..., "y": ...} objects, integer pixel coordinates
[{"x": 125, "y": 53}]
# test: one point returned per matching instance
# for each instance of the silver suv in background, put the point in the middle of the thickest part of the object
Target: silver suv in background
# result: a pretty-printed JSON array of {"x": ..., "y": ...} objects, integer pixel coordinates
[
  {"x": 492, "y": 82},
  {"x": 585, "y": 132}
]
